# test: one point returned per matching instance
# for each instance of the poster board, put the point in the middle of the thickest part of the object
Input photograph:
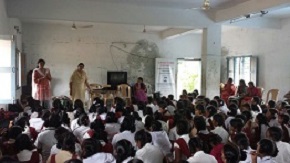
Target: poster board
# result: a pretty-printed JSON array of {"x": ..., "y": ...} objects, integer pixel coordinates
[{"x": 165, "y": 74}]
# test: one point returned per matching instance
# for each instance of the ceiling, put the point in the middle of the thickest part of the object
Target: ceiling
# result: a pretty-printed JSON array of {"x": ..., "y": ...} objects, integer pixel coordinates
[
  {"x": 155, "y": 14},
  {"x": 176, "y": 4}
]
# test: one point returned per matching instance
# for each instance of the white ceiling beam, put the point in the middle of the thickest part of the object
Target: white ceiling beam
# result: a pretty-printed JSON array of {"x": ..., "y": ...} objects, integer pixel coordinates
[
  {"x": 93, "y": 11},
  {"x": 247, "y": 7},
  {"x": 174, "y": 32}
]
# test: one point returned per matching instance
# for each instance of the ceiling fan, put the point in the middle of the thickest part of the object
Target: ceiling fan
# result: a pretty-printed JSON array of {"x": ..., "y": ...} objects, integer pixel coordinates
[
  {"x": 74, "y": 27},
  {"x": 205, "y": 6}
]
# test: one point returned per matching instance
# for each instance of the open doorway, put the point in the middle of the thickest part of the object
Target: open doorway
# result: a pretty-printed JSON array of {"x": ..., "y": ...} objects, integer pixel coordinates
[{"x": 188, "y": 75}]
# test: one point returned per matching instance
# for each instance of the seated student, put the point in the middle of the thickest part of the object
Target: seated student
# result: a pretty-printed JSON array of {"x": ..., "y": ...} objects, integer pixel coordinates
[
  {"x": 67, "y": 151},
  {"x": 38, "y": 122},
  {"x": 127, "y": 131},
  {"x": 261, "y": 126},
  {"x": 80, "y": 131},
  {"x": 197, "y": 153},
  {"x": 242, "y": 141},
  {"x": 228, "y": 90},
  {"x": 181, "y": 149},
  {"x": 125, "y": 151},
  {"x": 230, "y": 153},
  {"x": 284, "y": 123},
  {"x": 162, "y": 108},
  {"x": 233, "y": 111},
  {"x": 60, "y": 134},
  {"x": 147, "y": 152},
  {"x": 236, "y": 126},
  {"x": 202, "y": 133},
  {"x": 160, "y": 138},
  {"x": 97, "y": 104},
  {"x": 255, "y": 104},
  {"x": 266, "y": 150},
  {"x": 147, "y": 111},
  {"x": 112, "y": 127},
  {"x": 275, "y": 134},
  {"x": 9, "y": 146},
  {"x": 138, "y": 121},
  {"x": 23, "y": 122},
  {"x": 78, "y": 111},
  {"x": 218, "y": 122},
  {"x": 92, "y": 152},
  {"x": 249, "y": 129},
  {"x": 271, "y": 116},
  {"x": 150, "y": 103},
  {"x": 216, "y": 143},
  {"x": 199, "y": 110},
  {"x": 160, "y": 118},
  {"x": 271, "y": 104},
  {"x": 209, "y": 113},
  {"x": 46, "y": 139}
]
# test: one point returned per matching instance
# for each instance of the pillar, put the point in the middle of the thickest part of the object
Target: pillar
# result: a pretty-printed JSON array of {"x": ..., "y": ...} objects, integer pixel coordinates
[{"x": 211, "y": 61}]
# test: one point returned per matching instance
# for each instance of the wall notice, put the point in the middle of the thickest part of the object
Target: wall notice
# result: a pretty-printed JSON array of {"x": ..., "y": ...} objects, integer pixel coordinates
[{"x": 165, "y": 76}]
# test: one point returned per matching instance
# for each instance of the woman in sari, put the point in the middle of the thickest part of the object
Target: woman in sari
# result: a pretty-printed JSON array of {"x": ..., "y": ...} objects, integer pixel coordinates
[
  {"x": 140, "y": 91},
  {"x": 41, "y": 84},
  {"x": 78, "y": 81},
  {"x": 228, "y": 90}
]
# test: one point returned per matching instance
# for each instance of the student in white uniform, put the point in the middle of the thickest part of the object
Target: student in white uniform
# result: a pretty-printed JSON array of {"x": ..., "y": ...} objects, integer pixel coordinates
[
  {"x": 83, "y": 123},
  {"x": 92, "y": 152},
  {"x": 147, "y": 152},
  {"x": 125, "y": 151},
  {"x": 266, "y": 150},
  {"x": 127, "y": 131},
  {"x": 198, "y": 155},
  {"x": 218, "y": 122},
  {"x": 275, "y": 134}
]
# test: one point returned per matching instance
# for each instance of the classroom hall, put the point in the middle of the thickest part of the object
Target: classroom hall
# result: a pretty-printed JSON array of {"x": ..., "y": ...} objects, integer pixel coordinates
[{"x": 154, "y": 81}]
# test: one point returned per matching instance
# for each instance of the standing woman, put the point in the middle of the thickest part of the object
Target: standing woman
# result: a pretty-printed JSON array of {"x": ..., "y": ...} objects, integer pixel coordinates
[
  {"x": 77, "y": 84},
  {"x": 41, "y": 78},
  {"x": 140, "y": 91}
]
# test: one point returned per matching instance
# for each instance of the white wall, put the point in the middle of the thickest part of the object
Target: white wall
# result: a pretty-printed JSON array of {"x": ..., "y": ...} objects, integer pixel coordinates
[
  {"x": 63, "y": 48},
  {"x": 272, "y": 48},
  {"x": 3, "y": 18}
]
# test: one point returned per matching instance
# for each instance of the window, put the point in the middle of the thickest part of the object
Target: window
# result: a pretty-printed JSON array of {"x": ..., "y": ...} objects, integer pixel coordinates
[
  {"x": 7, "y": 70},
  {"x": 243, "y": 67}
]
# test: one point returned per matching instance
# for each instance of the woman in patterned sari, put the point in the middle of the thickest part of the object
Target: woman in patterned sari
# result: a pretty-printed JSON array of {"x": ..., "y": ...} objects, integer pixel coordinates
[
  {"x": 41, "y": 78},
  {"x": 78, "y": 83}
]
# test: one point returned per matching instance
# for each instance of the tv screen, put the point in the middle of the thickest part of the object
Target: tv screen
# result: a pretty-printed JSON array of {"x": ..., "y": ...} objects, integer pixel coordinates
[{"x": 116, "y": 78}]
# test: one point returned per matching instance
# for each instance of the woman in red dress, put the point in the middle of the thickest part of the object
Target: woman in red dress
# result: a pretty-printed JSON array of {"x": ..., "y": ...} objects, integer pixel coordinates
[{"x": 41, "y": 84}]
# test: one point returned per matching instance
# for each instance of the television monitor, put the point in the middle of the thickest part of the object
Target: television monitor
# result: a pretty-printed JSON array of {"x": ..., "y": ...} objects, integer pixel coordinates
[{"x": 116, "y": 78}]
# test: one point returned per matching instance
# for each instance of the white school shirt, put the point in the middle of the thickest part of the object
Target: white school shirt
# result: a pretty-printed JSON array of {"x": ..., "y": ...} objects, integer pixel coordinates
[
  {"x": 160, "y": 139},
  {"x": 25, "y": 155},
  {"x": 222, "y": 133},
  {"x": 266, "y": 159},
  {"x": 74, "y": 124},
  {"x": 79, "y": 132},
  {"x": 127, "y": 135},
  {"x": 100, "y": 157},
  {"x": 150, "y": 154},
  {"x": 45, "y": 140},
  {"x": 227, "y": 122},
  {"x": 284, "y": 152},
  {"x": 112, "y": 129},
  {"x": 201, "y": 157},
  {"x": 92, "y": 116},
  {"x": 274, "y": 123},
  {"x": 128, "y": 159},
  {"x": 249, "y": 157},
  {"x": 36, "y": 123}
]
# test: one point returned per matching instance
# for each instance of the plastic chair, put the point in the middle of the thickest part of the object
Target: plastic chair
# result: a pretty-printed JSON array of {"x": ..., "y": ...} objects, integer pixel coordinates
[
  {"x": 274, "y": 95},
  {"x": 124, "y": 91}
]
